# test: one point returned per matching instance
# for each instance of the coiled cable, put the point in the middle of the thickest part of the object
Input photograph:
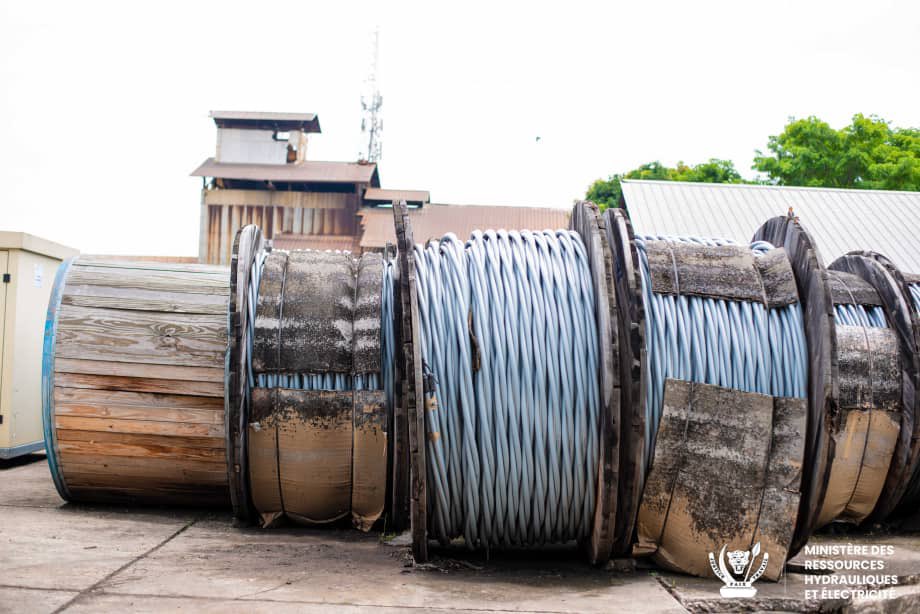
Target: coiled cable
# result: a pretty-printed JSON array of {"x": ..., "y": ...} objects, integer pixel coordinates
[
  {"x": 507, "y": 329},
  {"x": 733, "y": 344},
  {"x": 871, "y": 316}
]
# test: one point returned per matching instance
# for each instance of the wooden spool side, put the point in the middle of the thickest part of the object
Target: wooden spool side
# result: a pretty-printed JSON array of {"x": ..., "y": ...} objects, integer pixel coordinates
[
  {"x": 892, "y": 289},
  {"x": 412, "y": 386},
  {"x": 51, "y": 323},
  {"x": 817, "y": 305},
  {"x": 587, "y": 221},
  {"x": 246, "y": 246},
  {"x": 135, "y": 394},
  {"x": 398, "y": 425},
  {"x": 631, "y": 336}
]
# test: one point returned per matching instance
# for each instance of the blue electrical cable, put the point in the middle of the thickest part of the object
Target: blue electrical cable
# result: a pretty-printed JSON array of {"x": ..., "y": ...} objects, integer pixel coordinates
[
  {"x": 507, "y": 329},
  {"x": 733, "y": 344},
  {"x": 871, "y": 316}
]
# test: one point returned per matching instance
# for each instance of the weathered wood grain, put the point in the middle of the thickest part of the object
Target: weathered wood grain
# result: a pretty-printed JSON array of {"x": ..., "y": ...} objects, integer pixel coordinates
[
  {"x": 143, "y": 299},
  {"x": 139, "y": 370},
  {"x": 138, "y": 384},
  {"x": 137, "y": 397},
  {"x": 119, "y": 335},
  {"x": 146, "y": 427}
]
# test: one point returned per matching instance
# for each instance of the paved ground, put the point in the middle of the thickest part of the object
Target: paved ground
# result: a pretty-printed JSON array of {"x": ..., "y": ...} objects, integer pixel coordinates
[{"x": 60, "y": 557}]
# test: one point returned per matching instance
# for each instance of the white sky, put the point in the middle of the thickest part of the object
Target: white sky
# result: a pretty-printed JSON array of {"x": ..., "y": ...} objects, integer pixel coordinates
[{"x": 103, "y": 106}]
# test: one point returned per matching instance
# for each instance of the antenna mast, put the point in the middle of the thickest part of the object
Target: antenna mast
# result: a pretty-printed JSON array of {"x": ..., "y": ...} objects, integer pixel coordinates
[{"x": 371, "y": 102}]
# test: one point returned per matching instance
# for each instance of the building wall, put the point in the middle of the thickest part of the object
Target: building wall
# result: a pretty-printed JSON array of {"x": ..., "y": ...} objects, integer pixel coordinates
[{"x": 224, "y": 212}]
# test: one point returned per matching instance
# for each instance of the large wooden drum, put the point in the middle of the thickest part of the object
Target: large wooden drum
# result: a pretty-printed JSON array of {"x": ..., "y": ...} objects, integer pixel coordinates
[{"x": 133, "y": 382}]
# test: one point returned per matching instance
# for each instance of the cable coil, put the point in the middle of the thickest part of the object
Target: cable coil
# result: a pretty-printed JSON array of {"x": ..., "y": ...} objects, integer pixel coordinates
[
  {"x": 733, "y": 344},
  {"x": 508, "y": 332},
  {"x": 327, "y": 381}
]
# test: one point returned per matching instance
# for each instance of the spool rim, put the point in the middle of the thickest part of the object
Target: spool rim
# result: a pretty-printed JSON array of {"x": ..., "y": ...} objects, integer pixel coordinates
[
  {"x": 48, "y": 346},
  {"x": 247, "y": 243},
  {"x": 412, "y": 388},
  {"x": 633, "y": 367},
  {"x": 589, "y": 223}
]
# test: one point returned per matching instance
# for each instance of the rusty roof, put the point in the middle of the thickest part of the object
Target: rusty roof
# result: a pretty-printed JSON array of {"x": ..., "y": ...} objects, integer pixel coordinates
[
  {"x": 382, "y": 195},
  {"x": 435, "y": 220},
  {"x": 311, "y": 171},
  {"x": 291, "y": 241},
  {"x": 266, "y": 120}
]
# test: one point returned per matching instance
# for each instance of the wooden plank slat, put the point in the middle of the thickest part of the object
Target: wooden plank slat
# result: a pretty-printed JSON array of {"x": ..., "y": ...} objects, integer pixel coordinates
[
  {"x": 88, "y": 396},
  {"x": 158, "y": 468},
  {"x": 141, "y": 370},
  {"x": 210, "y": 446},
  {"x": 139, "y": 384},
  {"x": 162, "y": 281},
  {"x": 106, "y": 262},
  {"x": 128, "y": 336},
  {"x": 157, "y": 414},
  {"x": 146, "y": 427},
  {"x": 142, "y": 299}
]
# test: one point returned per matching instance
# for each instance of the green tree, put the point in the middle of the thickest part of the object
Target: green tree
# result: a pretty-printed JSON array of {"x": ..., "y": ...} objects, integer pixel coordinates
[
  {"x": 606, "y": 192},
  {"x": 868, "y": 153}
]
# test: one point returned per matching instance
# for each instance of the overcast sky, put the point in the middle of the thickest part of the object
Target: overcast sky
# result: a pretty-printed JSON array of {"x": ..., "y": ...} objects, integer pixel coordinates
[{"x": 104, "y": 106}]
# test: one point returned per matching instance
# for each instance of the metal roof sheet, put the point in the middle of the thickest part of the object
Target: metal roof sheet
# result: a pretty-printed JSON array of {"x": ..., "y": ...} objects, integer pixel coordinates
[
  {"x": 386, "y": 195},
  {"x": 435, "y": 220},
  {"x": 840, "y": 220},
  {"x": 308, "y": 171},
  {"x": 267, "y": 120}
]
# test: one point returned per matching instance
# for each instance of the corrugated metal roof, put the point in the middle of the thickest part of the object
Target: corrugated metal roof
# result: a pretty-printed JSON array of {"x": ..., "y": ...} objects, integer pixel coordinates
[
  {"x": 840, "y": 220},
  {"x": 267, "y": 120},
  {"x": 387, "y": 196},
  {"x": 318, "y": 242},
  {"x": 433, "y": 221},
  {"x": 309, "y": 171}
]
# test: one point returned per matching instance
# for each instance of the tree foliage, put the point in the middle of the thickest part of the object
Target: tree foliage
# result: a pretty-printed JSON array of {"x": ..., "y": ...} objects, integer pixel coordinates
[
  {"x": 868, "y": 153},
  {"x": 606, "y": 192}
]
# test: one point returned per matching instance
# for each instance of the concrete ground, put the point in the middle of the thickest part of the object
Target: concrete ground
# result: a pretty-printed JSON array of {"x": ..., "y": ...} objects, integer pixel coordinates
[{"x": 75, "y": 558}]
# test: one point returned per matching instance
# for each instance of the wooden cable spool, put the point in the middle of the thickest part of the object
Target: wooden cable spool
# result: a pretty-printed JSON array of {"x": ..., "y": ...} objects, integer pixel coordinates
[
  {"x": 891, "y": 287},
  {"x": 854, "y": 408},
  {"x": 133, "y": 382},
  {"x": 316, "y": 456},
  {"x": 726, "y": 467}
]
